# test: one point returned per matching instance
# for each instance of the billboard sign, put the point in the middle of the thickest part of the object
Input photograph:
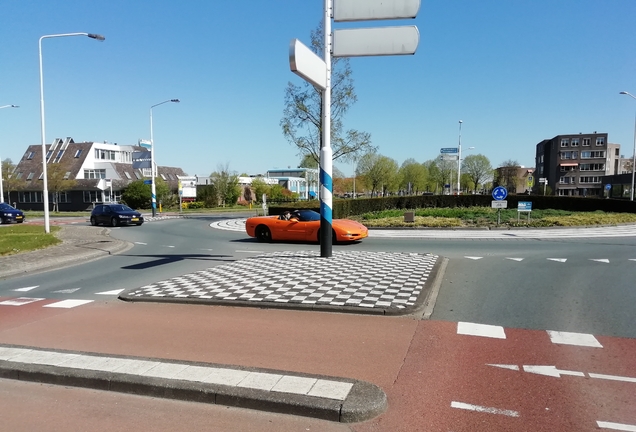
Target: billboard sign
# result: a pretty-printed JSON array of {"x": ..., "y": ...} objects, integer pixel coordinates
[{"x": 187, "y": 186}]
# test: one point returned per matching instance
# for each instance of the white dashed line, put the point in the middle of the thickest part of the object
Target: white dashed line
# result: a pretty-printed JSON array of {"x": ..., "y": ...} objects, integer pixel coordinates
[
  {"x": 561, "y": 260},
  {"x": 26, "y": 289},
  {"x": 67, "y": 304},
  {"x": 469, "y": 407},
  {"x": 603, "y": 260},
  {"x": 113, "y": 292},
  {"x": 484, "y": 330},
  {"x": 67, "y": 291},
  {"x": 141, "y": 243},
  {"x": 473, "y": 258},
  {"x": 515, "y": 259},
  {"x": 578, "y": 339},
  {"x": 20, "y": 301}
]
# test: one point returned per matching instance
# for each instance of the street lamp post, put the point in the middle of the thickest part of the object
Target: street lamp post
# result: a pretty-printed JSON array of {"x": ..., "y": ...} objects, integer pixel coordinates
[
  {"x": 631, "y": 198},
  {"x": 153, "y": 170},
  {"x": 1, "y": 191},
  {"x": 459, "y": 157},
  {"x": 45, "y": 191}
]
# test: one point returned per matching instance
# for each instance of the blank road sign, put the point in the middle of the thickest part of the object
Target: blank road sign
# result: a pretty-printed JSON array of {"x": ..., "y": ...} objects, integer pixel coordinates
[
  {"x": 305, "y": 63},
  {"x": 365, "y": 10},
  {"x": 376, "y": 41}
]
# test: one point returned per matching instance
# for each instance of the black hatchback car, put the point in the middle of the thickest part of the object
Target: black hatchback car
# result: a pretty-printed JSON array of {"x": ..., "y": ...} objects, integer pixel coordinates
[
  {"x": 115, "y": 215},
  {"x": 10, "y": 214}
]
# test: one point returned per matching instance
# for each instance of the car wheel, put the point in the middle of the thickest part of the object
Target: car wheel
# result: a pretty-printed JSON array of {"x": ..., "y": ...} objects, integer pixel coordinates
[
  {"x": 263, "y": 234},
  {"x": 93, "y": 221},
  {"x": 114, "y": 222}
]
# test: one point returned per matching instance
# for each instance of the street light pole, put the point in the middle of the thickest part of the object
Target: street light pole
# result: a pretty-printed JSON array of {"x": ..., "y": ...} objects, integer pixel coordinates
[
  {"x": 45, "y": 191},
  {"x": 459, "y": 158},
  {"x": 631, "y": 198},
  {"x": 153, "y": 170},
  {"x": 1, "y": 180}
]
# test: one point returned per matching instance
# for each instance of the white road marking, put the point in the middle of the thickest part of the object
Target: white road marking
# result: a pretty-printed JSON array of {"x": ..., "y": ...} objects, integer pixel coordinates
[
  {"x": 603, "y": 260},
  {"x": 579, "y": 339},
  {"x": 473, "y": 258},
  {"x": 21, "y": 301},
  {"x": 167, "y": 246},
  {"x": 247, "y": 251},
  {"x": 113, "y": 292},
  {"x": 141, "y": 243},
  {"x": 67, "y": 304},
  {"x": 210, "y": 250},
  {"x": 551, "y": 371},
  {"x": 515, "y": 259},
  {"x": 26, "y": 289},
  {"x": 616, "y": 426},
  {"x": 68, "y": 291},
  {"x": 632, "y": 259},
  {"x": 504, "y": 366},
  {"x": 612, "y": 377},
  {"x": 485, "y": 330},
  {"x": 465, "y": 406},
  {"x": 558, "y": 259}
]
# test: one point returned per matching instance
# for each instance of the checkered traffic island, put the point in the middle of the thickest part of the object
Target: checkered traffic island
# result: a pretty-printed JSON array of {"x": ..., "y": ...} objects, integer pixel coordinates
[{"x": 356, "y": 281}]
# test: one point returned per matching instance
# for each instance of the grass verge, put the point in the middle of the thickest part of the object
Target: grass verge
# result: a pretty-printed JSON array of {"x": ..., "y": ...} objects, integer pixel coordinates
[{"x": 16, "y": 239}]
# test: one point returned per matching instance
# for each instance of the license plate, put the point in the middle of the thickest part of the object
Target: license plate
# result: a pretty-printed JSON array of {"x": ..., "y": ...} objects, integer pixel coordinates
[
  {"x": 135, "y": 219},
  {"x": 18, "y": 217}
]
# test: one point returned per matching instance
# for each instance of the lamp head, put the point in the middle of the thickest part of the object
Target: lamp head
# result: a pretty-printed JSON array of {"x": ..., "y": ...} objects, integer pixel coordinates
[
  {"x": 175, "y": 100},
  {"x": 96, "y": 37}
]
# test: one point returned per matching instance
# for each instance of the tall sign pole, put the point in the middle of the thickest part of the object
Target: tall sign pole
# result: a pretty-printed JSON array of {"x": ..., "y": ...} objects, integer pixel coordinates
[
  {"x": 349, "y": 43},
  {"x": 326, "y": 154},
  {"x": 459, "y": 159}
]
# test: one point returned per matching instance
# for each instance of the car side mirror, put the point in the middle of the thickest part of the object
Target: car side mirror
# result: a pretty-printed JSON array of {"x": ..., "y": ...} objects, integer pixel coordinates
[{"x": 293, "y": 220}]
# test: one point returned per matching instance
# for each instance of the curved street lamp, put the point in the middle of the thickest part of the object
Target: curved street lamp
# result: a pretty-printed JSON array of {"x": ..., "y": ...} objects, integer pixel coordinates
[
  {"x": 1, "y": 191},
  {"x": 631, "y": 198},
  {"x": 153, "y": 170},
  {"x": 45, "y": 190}
]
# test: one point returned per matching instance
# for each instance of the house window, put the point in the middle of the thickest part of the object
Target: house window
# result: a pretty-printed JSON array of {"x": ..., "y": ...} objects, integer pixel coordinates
[
  {"x": 589, "y": 179},
  {"x": 600, "y": 141},
  {"x": 78, "y": 153},
  {"x": 170, "y": 176},
  {"x": 41, "y": 176},
  {"x": 48, "y": 155},
  {"x": 91, "y": 196},
  {"x": 163, "y": 176},
  {"x": 586, "y": 142},
  {"x": 565, "y": 142},
  {"x": 59, "y": 156},
  {"x": 575, "y": 142},
  {"x": 30, "y": 176},
  {"x": 67, "y": 175},
  {"x": 598, "y": 154},
  {"x": 30, "y": 155},
  {"x": 567, "y": 168},
  {"x": 127, "y": 174},
  {"x": 62, "y": 197},
  {"x": 18, "y": 175},
  {"x": 592, "y": 167},
  {"x": 94, "y": 173},
  {"x": 564, "y": 180},
  {"x": 137, "y": 175},
  {"x": 30, "y": 197}
]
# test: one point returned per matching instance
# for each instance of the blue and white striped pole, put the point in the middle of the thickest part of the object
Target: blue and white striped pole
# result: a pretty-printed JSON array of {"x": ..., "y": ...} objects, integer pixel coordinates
[{"x": 326, "y": 154}]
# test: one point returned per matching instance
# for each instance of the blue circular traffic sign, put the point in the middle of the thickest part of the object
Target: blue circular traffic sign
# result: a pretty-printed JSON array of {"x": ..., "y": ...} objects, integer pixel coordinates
[{"x": 499, "y": 193}]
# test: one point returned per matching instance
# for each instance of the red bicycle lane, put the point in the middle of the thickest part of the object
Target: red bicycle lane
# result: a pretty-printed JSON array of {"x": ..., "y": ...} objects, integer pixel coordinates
[{"x": 525, "y": 382}]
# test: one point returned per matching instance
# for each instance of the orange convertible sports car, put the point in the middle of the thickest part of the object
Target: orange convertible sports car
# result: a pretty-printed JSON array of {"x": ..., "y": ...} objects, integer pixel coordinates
[{"x": 303, "y": 225}]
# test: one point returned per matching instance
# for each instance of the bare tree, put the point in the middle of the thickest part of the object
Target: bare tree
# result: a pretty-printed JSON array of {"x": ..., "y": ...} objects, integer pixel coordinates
[
  {"x": 303, "y": 113},
  {"x": 59, "y": 182},
  {"x": 477, "y": 168}
]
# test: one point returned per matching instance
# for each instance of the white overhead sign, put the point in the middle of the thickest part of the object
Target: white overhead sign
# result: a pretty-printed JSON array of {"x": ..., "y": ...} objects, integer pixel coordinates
[
  {"x": 450, "y": 157},
  {"x": 305, "y": 63},
  {"x": 364, "y": 10},
  {"x": 376, "y": 41}
]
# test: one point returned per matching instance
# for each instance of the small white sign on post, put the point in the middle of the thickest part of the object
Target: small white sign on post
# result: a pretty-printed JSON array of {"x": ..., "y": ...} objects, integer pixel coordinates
[
  {"x": 307, "y": 65},
  {"x": 375, "y": 41},
  {"x": 367, "y": 10},
  {"x": 499, "y": 204}
]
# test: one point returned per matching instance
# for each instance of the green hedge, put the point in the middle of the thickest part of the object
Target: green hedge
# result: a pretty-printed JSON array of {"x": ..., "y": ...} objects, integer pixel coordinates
[{"x": 343, "y": 208}]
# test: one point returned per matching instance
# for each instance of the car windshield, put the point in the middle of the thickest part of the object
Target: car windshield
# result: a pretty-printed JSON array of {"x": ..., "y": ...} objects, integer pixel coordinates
[
  {"x": 306, "y": 215},
  {"x": 5, "y": 206},
  {"x": 121, "y": 208}
]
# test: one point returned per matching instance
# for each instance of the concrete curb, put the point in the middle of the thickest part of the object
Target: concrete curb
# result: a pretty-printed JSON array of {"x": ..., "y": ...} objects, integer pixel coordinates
[{"x": 363, "y": 402}]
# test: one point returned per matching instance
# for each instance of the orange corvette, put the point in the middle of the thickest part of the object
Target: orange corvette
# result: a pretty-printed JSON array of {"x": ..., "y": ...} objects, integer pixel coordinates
[{"x": 302, "y": 225}]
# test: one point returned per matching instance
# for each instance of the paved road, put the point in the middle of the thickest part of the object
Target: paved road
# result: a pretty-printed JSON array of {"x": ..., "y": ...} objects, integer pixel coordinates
[{"x": 438, "y": 374}]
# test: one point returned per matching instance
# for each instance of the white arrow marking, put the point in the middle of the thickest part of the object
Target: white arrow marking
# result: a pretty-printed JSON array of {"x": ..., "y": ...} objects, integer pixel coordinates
[
  {"x": 113, "y": 292},
  {"x": 141, "y": 243},
  {"x": 515, "y": 259},
  {"x": 503, "y": 366},
  {"x": 26, "y": 289},
  {"x": 612, "y": 377},
  {"x": 473, "y": 258},
  {"x": 207, "y": 249},
  {"x": 616, "y": 426},
  {"x": 488, "y": 410},
  {"x": 551, "y": 371},
  {"x": 603, "y": 260},
  {"x": 68, "y": 291},
  {"x": 558, "y": 259}
]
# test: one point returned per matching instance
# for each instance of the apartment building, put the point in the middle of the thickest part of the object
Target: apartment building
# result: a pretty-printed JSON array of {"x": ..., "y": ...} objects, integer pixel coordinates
[{"x": 574, "y": 165}]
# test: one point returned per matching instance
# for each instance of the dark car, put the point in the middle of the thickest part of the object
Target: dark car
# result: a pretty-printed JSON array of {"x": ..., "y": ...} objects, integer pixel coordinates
[
  {"x": 115, "y": 215},
  {"x": 10, "y": 214}
]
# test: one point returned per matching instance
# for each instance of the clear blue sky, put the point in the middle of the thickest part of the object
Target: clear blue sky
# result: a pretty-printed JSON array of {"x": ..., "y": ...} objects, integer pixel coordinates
[{"x": 515, "y": 72}]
